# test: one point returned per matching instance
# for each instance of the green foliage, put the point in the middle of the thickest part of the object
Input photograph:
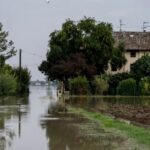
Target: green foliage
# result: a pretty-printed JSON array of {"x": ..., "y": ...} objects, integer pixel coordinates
[
  {"x": 118, "y": 59},
  {"x": 145, "y": 86},
  {"x": 101, "y": 85},
  {"x": 141, "y": 67},
  {"x": 6, "y": 69},
  {"x": 7, "y": 48},
  {"x": 8, "y": 72},
  {"x": 72, "y": 67},
  {"x": 127, "y": 87},
  {"x": 2, "y": 61},
  {"x": 114, "y": 80},
  {"x": 8, "y": 84},
  {"x": 91, "y": 40},
  {"x": 23, "y": 83},
  {"x": 79, "y": 85}
]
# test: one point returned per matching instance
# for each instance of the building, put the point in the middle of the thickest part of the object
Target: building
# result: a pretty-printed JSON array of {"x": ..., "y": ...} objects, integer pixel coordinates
[
  {"x": 39, "y": 83},
  {"x": 136, "y": 44}
]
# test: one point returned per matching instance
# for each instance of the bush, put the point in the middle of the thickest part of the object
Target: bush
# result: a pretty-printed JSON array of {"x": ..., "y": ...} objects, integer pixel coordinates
[
  {"x": 79, "y": 85},
  {"x": 114, "y": 81},
  {"x": 127, "y": 87},
  {"x": 101, "y": 85},
  {"x": 23, "y": 83},
  {"x": 145, "y": 86},
  {"x": 8, "y": 84},
  {"x": 6, "y": 69}
]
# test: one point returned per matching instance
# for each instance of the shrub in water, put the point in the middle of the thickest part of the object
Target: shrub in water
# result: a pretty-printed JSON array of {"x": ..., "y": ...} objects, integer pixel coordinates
[
  {"x": 101, "y": 85},
  {"x": 8, "y": 84},
  {"x": 127, "y": 87},
  {"x": 145, "y": 86},
  {"x": 114, "y": 81},
  {"x": 79, "y": 85},
  {"x": 23, "y": 83}
]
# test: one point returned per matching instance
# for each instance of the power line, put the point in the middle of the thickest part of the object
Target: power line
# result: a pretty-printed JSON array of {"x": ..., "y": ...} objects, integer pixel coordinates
[
  {"x": 33, "y": 54},
  {"x": 30, "y": 65}
]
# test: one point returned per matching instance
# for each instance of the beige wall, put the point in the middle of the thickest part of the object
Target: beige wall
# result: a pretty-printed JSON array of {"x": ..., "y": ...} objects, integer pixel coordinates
[{"x": 130, "y": 60}]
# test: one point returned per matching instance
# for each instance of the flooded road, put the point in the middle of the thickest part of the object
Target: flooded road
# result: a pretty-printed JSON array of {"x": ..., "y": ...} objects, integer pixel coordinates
[
  {"x": 29, "y": 123},
  {"x": 20, "y": 127}
]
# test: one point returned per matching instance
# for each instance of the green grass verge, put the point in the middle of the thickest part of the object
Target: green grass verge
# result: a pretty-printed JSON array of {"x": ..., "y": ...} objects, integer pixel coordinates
[{"x": 139, "y": 134}]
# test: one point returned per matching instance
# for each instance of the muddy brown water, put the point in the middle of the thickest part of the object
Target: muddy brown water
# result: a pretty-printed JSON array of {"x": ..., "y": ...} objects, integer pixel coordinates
[{"x": 27, "y": 123}]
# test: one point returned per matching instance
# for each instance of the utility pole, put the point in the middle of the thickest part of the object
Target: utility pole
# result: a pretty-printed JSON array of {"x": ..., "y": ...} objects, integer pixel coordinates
[
  {"x": 20, "y": 60},
  {"x": 145, "y": 26},
  {"x": 19, "y": 102},
  {"x": 121, "y": 25}
]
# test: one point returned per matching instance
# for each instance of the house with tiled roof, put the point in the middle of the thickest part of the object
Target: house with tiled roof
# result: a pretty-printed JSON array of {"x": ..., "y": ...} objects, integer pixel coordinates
[{"x": 136, "y": 45}]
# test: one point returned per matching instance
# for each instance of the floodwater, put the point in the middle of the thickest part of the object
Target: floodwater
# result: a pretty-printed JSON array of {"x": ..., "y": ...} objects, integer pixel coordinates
[
  {"x": 30, "y": 123},
  {"x": 20, "y": 117}
]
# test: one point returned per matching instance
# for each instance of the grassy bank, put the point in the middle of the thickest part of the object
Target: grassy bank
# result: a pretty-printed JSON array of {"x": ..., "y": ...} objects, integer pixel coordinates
[{"x": 138, "y": 134}]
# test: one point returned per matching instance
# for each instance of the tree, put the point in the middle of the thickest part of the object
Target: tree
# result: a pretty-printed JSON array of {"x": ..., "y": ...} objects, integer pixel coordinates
[
  {"x": 85, "y": 46},
  {"x": 24, "y": 81},
  {"x": 127, "y": 87},
  {"x": 101, "y": 85},
  {"x": 71, "y": 67},
  {"x": 118, "y": 59},
  {"x": 114, "y": 80},
  {"x": 7, "y": 49},
  {"x": 141, "y": 67},
  {"x": 145, "y": 86}
]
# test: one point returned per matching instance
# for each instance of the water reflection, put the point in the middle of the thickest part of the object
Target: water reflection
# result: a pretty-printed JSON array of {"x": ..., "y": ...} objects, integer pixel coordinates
[
  {"x": 9, "y": 108},
  {"x": 64, "y": 134},
  {"x": 67, "y": 131}
]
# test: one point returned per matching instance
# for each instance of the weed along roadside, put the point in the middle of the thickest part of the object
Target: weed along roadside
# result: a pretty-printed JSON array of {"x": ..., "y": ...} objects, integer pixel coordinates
[{"x": 139, "y": 137}]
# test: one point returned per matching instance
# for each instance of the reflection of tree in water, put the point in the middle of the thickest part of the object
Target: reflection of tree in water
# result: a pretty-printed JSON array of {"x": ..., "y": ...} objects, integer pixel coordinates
[
  {"x": 13, "y": 100},
  {"x": 51, "y": 91},
  {"x": 63, "y": 136},
  {"x": 6, "y": 138},
  {"x": 9, "y": 107},
  {"x": 6, "y": 135}
]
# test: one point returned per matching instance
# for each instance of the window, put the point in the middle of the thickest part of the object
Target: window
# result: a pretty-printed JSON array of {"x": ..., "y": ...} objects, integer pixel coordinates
[{"x": 133, "y": 54}]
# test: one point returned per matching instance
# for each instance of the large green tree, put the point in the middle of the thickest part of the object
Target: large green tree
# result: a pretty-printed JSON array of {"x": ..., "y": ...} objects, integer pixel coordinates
[
  {"x": 141, "y": 68},
  {"x": 89, "y": 41},
  {"x": 7, "y": 48}
]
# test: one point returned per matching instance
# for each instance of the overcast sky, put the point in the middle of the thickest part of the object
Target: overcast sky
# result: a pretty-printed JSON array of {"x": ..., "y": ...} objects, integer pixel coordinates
[{"x": 30, "y": 22}]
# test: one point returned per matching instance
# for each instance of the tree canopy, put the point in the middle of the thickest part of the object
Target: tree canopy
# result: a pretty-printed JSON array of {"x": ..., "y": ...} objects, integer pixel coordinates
[
  {"x": 141, "y": 68},
  {"x": 7, "y": 48},
  {"x": 118, "y": 58},
  {"x": 78, "y": 48}
]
